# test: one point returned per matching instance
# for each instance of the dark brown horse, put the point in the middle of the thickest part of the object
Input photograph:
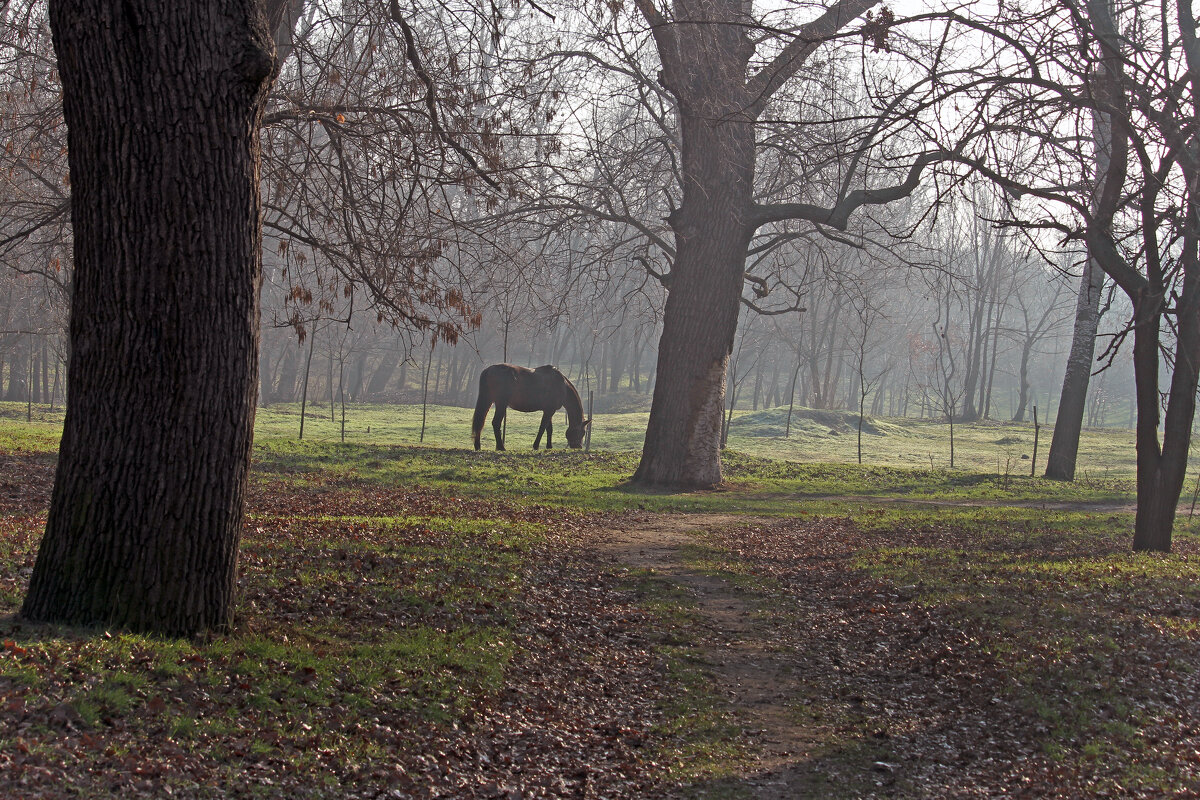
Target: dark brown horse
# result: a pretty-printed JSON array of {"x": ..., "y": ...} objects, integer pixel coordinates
[{"x": 544, "y": 389}]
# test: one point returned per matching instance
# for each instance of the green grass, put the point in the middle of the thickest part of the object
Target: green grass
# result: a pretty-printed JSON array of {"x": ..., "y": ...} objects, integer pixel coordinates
[
  {"x": 406, "y": 616},
  {"x": 907, "y": 446},
  {"x": 350, "y": 627},
  {"x": 815, "y": 436},
  {"x": 599, "y": 480}
]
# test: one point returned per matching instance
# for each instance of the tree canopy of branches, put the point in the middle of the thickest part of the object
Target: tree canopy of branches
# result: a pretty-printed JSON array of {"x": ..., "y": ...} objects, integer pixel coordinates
[{"x": 1136, "y": 65}]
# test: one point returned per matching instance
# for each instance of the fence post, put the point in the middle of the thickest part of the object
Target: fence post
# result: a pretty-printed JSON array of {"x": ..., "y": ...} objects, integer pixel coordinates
[{"x": 587, "y": 438}]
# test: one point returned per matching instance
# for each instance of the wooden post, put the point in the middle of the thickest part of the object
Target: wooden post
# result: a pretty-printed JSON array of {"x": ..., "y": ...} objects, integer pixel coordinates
[
  {"x": 1195, "y": 492},
  {"x": 425, "y": 393},
  {"x": 304, "y": 392},
  {"x": 587, "y": 436},
  {"x": 1036, "y": 429}
]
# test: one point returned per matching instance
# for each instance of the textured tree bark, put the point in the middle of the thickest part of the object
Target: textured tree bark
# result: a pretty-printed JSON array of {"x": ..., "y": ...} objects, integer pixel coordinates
[
  {"x": 1161, "y": 469},
  {"x": 163, "y": 102},
  {"x": 705, "y": 47},
  {"x": 1064, "y": 446},
  {"x": 712, "y": 233},
  {"x": 683, "y": 437}
]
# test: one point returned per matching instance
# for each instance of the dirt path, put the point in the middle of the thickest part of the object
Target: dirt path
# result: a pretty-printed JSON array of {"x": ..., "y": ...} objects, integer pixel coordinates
[
  {"x": 767, "y": 679},
  {"x": 750, "y": 672}
]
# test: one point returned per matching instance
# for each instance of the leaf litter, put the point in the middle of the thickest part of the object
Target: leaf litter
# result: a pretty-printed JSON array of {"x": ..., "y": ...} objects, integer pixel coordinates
[
  {"x": 937, "y": 661},
  {"x": 389, "y": 643},
  {"x": 402, "y": 642}
]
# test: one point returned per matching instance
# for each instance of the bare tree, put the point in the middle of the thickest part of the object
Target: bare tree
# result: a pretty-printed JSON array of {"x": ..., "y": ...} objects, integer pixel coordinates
[
  {"x": 1140, "y": 216},
  {"x": 707, "y": 54},
  {"x": 1064, "y": 446},
  {"x": 867, "y": 315},
  {"x": 1037, "y": 298}
]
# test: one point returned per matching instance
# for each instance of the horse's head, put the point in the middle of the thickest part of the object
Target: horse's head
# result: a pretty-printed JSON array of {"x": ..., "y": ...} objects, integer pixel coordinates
[{"x": 575, "y": 434}]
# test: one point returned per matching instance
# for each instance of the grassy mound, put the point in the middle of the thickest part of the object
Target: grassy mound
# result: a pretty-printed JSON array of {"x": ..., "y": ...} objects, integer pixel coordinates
[{"x": 811, "y": 421}]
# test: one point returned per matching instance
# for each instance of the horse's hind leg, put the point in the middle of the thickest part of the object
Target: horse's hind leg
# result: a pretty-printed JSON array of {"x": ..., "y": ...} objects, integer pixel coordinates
[
  {"x": 498, "y": 425},
  {"x": 545, "y": 428},
  {"x": 478, "y": 425}
]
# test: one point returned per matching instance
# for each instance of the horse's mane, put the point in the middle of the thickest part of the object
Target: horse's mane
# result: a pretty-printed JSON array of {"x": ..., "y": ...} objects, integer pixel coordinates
[{"x": 573, "y": 404}]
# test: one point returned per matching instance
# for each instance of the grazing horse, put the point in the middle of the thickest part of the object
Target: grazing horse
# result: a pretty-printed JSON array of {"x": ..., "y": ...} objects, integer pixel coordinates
[{"x": 543, "y": 389}]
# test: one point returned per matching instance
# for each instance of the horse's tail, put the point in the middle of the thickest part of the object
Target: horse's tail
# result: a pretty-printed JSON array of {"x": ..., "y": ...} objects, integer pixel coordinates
[{"x": 481, "y": 408}]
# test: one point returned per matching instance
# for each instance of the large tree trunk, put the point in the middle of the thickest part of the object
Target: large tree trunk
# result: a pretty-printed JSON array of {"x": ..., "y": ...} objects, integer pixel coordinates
[
  {"x": 163, "y": 102},
  {"x": 712, "y": 232},
  {"x": 1064, "y": 447},
  {"x": 682, "y": 445},
  {"x": 1161, "y": 469},
  {"x": 705, "y": 48}
]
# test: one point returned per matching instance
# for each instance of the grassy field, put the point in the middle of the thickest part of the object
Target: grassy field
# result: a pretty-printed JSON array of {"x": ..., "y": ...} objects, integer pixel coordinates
[
  {"x": 419, "y": 617},
  {"x": 765, "y": 471},
  {"x": 814, "y": 436}
]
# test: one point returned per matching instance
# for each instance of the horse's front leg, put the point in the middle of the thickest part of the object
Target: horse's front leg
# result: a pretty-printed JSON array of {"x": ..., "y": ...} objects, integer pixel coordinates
[
  {"x": 543, "y": 428},
  {"x": 498, "y": 425}
]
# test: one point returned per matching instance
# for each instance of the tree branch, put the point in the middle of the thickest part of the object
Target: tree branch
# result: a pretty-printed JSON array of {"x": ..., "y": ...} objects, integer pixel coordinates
[
  {"x": 662, "y": 277},
  {"x": 812, "y": 35},
  {"x": 839, "y": 215},
  {"x": 282, "y": 16},
  {"x": 59, "y": 210},
  {"x": 414, "y": 59}
]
